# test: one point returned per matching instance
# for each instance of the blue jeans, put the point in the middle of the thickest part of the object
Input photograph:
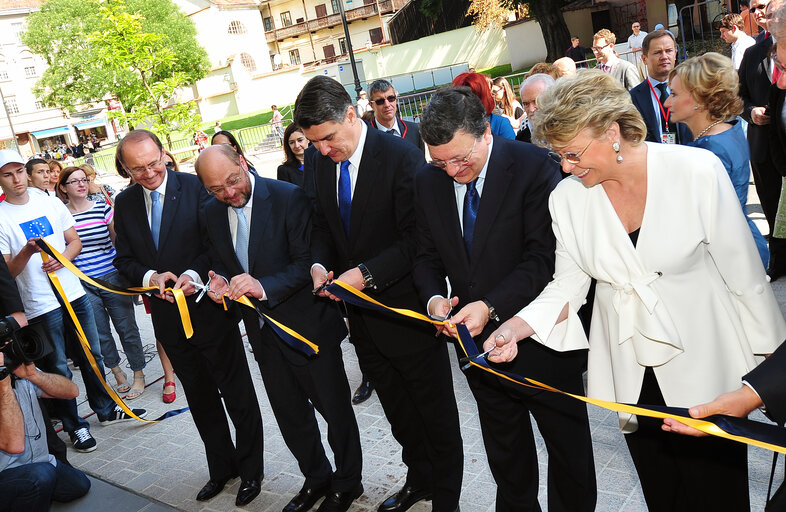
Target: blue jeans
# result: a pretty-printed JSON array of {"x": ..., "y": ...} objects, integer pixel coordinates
[
  {"x": 55, "y": 323},
  {"x": 32, "y": 487},
  {"x": 120, "y": 308}
]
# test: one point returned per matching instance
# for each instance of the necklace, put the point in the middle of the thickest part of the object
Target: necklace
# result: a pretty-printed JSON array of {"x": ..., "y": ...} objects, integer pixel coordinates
[{"x": 719, "y": 121}]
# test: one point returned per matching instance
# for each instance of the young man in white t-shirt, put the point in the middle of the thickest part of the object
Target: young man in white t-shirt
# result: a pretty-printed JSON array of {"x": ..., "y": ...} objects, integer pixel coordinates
[
  {"x": 25, "y": 217},
  {"x": 731, "y": 31}
]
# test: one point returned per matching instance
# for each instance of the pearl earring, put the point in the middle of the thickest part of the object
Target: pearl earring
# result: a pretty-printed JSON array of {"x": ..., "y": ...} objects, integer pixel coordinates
[
  {"x": 695, "y": 107},
  {"x": 616, "y": 147}
]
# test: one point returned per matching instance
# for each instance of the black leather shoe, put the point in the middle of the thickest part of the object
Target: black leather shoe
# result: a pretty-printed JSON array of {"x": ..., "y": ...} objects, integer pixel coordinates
[
  {"x": 404, "y": 499},
  {"x": 340, "y": 501},
  {"x": 306, "y": 498},
  {"x": 212, "y": 488},
  {"x": 249, "y": 489},
  {"x": 363, "y": 392}
]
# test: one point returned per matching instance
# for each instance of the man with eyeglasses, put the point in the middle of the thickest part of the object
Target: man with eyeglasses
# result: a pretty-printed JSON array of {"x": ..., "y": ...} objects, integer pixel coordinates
[
  {"x": 532, "y": 87},
  {"x": 363, "y": 235},
  {"x": 385, "y": 106},
  {"x": 271, "y": 265},
  {"x": 483, "y": 222},
  {"x": 161, "y": 242},
  {"x": 609, "y": 62},
  {"x": 24, "y": 218},
  {"x": 758, "y": 73}
]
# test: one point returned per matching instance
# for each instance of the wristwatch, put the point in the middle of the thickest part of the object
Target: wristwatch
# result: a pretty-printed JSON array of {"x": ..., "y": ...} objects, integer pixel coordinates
[
  {"x": 368, "y": 280},
  {"x": 492, "y": 312}
]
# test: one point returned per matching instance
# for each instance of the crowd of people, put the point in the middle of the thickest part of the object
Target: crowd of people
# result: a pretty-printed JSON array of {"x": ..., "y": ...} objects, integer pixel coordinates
[{"x": 593, "y": 185}]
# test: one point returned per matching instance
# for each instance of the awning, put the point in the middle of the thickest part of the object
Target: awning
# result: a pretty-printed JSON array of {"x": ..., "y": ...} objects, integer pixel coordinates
[
  {"x": 92, "y": 123},
  {"x": 51, "y": 132}
]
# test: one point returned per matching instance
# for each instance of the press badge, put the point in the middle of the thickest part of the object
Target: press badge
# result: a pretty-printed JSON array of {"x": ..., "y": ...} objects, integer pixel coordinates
[{"x": 668, "y": 138}]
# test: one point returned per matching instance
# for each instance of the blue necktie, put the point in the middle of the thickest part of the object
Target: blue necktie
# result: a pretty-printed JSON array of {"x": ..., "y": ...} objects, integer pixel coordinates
[
  {"x": 471, "y": 203},
  {"x": 241, "y": 240},
  {"x": 345, "y": 195},
  {"x": 155, "y": 215}
]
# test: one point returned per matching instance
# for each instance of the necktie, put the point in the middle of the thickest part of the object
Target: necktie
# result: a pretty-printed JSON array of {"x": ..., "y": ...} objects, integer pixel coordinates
[
  {"x": 664, "y": 94},
  {"x": 344, "y": 195},
  {"x": 155, "y": 215},
  {"x": 392, "y": 131},
  {"x": 241, "y": 240},
  {"x": 471, "y": 203}
]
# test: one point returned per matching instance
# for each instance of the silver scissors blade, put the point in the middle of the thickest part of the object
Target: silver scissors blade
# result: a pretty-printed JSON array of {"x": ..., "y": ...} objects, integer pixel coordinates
[{"x": 204, "y": 287}]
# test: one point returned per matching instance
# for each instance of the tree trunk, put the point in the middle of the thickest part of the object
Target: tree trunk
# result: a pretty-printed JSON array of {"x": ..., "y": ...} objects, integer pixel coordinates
[{"x": 552, "y": 24}]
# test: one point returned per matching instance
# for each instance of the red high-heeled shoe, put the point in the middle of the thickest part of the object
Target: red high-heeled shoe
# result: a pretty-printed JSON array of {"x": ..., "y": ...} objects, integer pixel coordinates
[{"x": 168, "y": 398}]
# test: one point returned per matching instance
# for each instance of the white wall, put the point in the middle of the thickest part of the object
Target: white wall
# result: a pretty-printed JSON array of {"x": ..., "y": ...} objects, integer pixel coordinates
[{"x": 525, "y": 44}]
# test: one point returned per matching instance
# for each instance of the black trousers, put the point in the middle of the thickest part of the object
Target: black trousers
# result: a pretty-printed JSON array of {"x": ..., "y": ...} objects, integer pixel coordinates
[
  {"x": 294, "y": 392},
  {"x": 204, "y": 368},
  {"x": 416, "y": 393},
  {"x": 768, "y": 182},
  {"x": 504, "y": 411},
  {"x": 683, "y": 473}
]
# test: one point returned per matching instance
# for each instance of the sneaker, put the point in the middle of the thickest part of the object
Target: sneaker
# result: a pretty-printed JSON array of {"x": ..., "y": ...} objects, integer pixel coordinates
[
  {"x": 83, "y": 441},
  {"x": 120, "y": 415}
]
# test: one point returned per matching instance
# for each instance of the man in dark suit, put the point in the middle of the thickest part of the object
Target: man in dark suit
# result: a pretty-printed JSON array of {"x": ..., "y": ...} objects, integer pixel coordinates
[
  {"x": 756, "y": 79},
  {"x": 384, "y": 103},
  {"x": 271, "y": 263},
  {"x": 532, "y": 87},
  {"x": 364, "y": 232},
  {"x": 161, "y": 242},
  {"x": 659, "y": 53},
  {"x": 483, "y": 222}
]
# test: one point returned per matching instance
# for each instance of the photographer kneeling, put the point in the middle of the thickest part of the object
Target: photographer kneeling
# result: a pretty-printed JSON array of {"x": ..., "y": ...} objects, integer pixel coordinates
[{"x": 30, "y": 478}]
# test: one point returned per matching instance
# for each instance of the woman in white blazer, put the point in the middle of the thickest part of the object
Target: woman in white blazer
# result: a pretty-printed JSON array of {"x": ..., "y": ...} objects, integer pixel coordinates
[{"x": 682, "y": 306}]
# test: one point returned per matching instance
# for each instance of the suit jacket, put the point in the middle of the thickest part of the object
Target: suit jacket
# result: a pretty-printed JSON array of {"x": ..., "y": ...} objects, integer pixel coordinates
[
  {"x": 409, "y": 131},
  {"x": 182, "y": 246},
  {"x": 524, "y": 134},
  {"x": 642, "y": 99},
  {"x": 767, "y": 380},
  {"x": 290, "y": 174},
  {"x": 10, "y": 302},
  {"x": 755, "y": 92},
  {"x": 280, "y": 258},
  {"x": 513, "y": 214},
  {"x": 382, "y": 222},
  {"x": 777, "y": 133},
  {"x": 701, "y": 309},
  {"x": 626, "y": 73}
]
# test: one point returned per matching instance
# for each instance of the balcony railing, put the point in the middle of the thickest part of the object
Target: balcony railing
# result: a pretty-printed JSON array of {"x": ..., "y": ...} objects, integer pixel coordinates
[{"x": 331, "y": 20}]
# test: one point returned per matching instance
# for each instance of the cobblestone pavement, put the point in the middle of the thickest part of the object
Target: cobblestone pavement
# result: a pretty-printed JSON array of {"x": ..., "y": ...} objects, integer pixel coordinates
[{"x": 165, "y": 462}]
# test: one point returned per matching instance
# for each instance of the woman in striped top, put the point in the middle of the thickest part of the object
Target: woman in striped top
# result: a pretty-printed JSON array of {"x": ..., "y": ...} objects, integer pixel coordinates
[{"x": 94, "y": 224}]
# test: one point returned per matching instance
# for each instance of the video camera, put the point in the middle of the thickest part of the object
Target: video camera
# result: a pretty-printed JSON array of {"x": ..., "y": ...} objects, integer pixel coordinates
[{"x": 21, "y": 345}]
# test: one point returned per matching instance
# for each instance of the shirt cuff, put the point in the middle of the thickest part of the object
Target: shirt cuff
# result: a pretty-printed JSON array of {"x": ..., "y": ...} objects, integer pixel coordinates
[
  {"x": 318, "y": 265},
  {"x": 194, "y": 276},
  {"x": 763, "y": 408},
  {"x": 428, "y": 306},
  {"x": 146, "y": 278},
  {"x": 264, "y": 293}
]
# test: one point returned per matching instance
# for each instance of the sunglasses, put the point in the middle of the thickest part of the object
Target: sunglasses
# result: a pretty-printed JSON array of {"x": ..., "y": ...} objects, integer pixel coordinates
[
  {"x": 571, "y": 157},
  {"x": 599, "y": 48},
  {"x": 389, "y": 99}
]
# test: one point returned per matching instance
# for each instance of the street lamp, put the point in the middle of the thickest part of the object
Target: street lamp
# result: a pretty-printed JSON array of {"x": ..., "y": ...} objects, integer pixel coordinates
[
  {"x": 8, "y": 116},
  {"x": 358, "y": 88}
]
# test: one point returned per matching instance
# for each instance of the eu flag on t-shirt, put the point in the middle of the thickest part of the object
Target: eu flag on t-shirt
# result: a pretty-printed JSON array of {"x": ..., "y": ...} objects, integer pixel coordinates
[{"x": 37, "y": 228}]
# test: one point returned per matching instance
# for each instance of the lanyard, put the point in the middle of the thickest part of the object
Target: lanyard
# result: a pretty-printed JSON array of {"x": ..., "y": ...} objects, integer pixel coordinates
[{"x": 662, "y": 110}]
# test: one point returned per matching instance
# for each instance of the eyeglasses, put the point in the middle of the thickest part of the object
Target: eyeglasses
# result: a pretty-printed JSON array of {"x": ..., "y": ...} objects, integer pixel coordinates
[
  {"x": 570, "y": 157},
  {"x": 136, "y": 171},
  {"x": 81, "y": 181},
  {"x": 170, "y": 165},
  {"x": 599, "y": 48},
  {"x": 389, "y": 99},
  {"x": 232, "y": 181},
  {"x": 455, "y": 161}
]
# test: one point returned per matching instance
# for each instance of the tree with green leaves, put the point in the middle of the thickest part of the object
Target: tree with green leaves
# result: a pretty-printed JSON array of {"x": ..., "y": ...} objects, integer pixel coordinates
[{"x": 139, "y": 51}]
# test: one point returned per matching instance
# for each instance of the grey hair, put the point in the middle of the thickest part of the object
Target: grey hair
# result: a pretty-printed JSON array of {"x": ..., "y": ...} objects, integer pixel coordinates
[
  {"x": 322, "y": 99},
  {"x": 379, "y": 86},
  {"x": 452, "y": 109},
  {"x": 777, "y": 23},
  {"x": 548, "y": 80}
]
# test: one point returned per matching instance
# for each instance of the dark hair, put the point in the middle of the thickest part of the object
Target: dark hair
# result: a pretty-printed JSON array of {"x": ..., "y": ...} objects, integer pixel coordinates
[
  {"x": 379, "y": 86},
  {"x": 33, "y": 161},
  {"x": 322, "y": 99},
  {"x": 232, "y": 141},
  {"x": 452, "y": 109},
  {"x": 645, "y": 45},
  {"x": 65, "y": 175},
  {"x": 480, "y": 85},
  {"x": 134, "y": 136},
  {"x": 289, "y": 155}
]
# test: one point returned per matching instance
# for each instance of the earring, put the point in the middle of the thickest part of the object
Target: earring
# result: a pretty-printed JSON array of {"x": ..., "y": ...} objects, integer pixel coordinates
[
  {"x": 616, "y": 147},
  {"x": 695, "y": 107}
]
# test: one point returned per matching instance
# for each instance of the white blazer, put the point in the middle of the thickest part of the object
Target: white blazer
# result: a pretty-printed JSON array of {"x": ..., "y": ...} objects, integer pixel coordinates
[{"x": 691, "y": 300}]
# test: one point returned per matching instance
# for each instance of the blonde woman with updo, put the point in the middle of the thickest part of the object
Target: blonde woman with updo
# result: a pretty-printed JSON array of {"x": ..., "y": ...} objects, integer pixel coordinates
[{"x": 682, "y": 307}]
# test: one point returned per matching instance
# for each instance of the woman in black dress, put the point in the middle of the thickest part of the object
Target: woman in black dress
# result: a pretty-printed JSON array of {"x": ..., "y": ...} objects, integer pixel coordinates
[
  {"x": 225, "y": 137},
  {"x": 295, "y": 144}
]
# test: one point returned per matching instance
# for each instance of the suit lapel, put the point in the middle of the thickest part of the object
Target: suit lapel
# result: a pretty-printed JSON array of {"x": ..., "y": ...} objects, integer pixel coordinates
[
  {"x": 326, "y": 186},
  {"x": 447, "y": 212},
  {"x": 171, "y": 201},
  {"x": 140, "y": 218},
  {"x": 365, "y": 182},
  {"x": 218, "y": 224},
  {"x": 651, "y": 117},
  {"x": 260, "y": 213},
  {"x": 498, "y": 176}
]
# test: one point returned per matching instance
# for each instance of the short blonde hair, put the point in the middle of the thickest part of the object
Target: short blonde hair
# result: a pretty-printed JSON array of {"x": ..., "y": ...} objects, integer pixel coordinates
[
  {"x": 712, "y": 82},
  {"x": 606, "y": 34},
  {"x": 590, "y": 100}
]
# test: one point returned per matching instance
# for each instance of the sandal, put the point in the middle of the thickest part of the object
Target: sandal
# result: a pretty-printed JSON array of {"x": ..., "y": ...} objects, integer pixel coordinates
[
  {"x": 138, "y": 387},
  {"x": 168, "y": 398},
  {"x": 122, "y": 380}
]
